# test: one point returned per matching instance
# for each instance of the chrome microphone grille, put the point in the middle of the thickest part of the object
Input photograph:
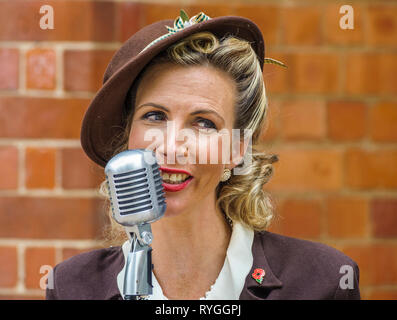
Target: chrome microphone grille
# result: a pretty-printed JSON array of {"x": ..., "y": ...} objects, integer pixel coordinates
[
  {"x": 158, "y": 181},
  {"x": 135, "y": 187},
  {"x": 132, "y": 190}
]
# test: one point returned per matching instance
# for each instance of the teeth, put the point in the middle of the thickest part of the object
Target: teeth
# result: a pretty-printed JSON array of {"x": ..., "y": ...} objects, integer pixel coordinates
[{"x": 173, "y": 178}]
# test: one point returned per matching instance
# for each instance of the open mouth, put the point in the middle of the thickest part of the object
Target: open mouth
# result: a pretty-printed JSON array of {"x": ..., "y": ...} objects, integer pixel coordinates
[{"x": 174, "y": 178}]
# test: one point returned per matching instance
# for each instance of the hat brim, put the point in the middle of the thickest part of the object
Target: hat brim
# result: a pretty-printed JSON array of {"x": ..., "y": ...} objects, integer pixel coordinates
[{"x": 103, "y": 119}]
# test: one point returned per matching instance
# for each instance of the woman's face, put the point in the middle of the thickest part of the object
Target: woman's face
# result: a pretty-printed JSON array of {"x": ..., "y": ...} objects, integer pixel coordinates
[{"x": 194, "y": 102}]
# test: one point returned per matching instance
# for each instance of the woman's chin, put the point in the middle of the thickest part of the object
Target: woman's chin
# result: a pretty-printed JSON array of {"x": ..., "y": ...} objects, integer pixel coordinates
[
  {"x": 171, "y": 214},
  {"x": 176, "y": 207},
  {"x": 173, "y": 211}
]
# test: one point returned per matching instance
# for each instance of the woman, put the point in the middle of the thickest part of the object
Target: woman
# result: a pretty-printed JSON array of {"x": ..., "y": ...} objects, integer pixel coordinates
[{"x": 204, "y": 75}]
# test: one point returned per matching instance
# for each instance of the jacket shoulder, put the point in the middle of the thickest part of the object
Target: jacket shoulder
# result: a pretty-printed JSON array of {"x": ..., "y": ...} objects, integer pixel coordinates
[
  {"x": 301, "y": 249},
  {"x": 315, "y": 266},
  {"x": 89, "y": 275}
]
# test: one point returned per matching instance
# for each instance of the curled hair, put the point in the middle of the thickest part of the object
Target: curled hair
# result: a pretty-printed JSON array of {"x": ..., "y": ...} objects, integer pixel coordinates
[{"x": 242, "y": 197}]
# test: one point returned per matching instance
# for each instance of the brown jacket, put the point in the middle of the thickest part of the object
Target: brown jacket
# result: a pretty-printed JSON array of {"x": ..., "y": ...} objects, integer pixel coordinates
[{"x": 294, "y": 269}]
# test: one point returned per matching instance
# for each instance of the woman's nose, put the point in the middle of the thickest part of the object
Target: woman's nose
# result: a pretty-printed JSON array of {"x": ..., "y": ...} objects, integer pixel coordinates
[{"x": 173, "y": 146}]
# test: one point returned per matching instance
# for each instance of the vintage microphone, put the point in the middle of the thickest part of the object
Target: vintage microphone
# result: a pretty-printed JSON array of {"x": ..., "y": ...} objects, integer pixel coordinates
[{"x": 137, "y": 199}]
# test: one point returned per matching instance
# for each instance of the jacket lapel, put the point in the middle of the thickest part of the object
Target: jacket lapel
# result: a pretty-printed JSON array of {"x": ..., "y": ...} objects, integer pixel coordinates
[{"x": 253, "y": 290}]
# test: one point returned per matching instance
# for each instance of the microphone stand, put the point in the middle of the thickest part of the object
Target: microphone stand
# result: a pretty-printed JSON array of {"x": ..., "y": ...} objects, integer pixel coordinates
[{"x": 138, "y": 271}]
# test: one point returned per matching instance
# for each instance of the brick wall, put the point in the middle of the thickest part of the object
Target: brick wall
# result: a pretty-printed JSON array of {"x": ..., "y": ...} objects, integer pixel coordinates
[{"x": 332, "y": 120}]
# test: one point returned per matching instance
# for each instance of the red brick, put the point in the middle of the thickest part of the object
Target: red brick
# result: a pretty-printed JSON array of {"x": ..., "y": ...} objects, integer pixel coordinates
[
  {"x": 267, "y": 18},
  {"x": 8, "y": 267},
  {"x": 156, "y": 12},
  {"x": 299, "y": 218},
  {"x": 41, "y": 117},
  {"x": 84, "y": 70},
  {"x": 37, "y": 296},
  {"x": 334, "y": 34},
  {"x": 307, "y": 170},
  {"x": 9, "y": 168},
  {"x": 19, "y": 21},
  {"x": 314, "y": 72},
  {"x": 383, "y": 120},
  {"x": 79, "y": 172},
  {"x": 301, "y": 25},
  {"x": 303, "y": 119},
  {"x": 130, "y": 19},
  {"x": 9, "y": 68},
  {"x": 377, "y": 262},
  {"x": 40, "y": 69},
  {"x": 382, "y": 294},
  {"x": 51, "y": 218},
  {"x": 371, "y": 73},
  {"x": 276, "y": 78},
  {"x": 347, "y": 120},
  {"x": 371, "y": 169},
  {"x": 35, "y": 258},
  {"x": 387, "y": 70},
  {"x": 40, "y": 168},
  {"x": 210, "y": 9},
  {"x": 347, "y": 217},
  {"x": 382, "y": 25},
  {"x": 384, "y": 218},
  {"x": 73, "y": 21}
]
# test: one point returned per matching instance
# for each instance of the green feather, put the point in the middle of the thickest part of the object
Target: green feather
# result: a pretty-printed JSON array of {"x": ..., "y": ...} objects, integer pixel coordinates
[
  {"x": 274, "y": 61},
  {"x": 184, "y": 16}
]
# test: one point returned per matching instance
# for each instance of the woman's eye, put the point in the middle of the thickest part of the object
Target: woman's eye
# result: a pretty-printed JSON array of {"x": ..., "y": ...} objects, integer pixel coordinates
[
  {"x": 203, "y": 124},
  {"x": 206, "y": 124},
  {"x": 154, "y": 116}
]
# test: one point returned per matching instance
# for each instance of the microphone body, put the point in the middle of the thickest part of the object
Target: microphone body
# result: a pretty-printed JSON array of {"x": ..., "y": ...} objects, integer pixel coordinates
[{"x": 137, "y": 199}]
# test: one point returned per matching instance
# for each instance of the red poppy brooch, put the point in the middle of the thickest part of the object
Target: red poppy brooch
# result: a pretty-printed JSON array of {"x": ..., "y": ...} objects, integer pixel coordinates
[{"x": 258, "y": 275}]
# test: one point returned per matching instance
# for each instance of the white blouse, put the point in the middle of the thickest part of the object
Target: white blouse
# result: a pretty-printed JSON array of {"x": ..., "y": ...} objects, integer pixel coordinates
[{"x": 231, "y": 279}]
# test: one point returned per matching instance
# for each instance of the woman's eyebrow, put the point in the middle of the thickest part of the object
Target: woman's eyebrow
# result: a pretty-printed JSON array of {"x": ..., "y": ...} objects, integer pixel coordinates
[
  {"x": 151, "y": 104},
  {"x": 201, "y": 111}
]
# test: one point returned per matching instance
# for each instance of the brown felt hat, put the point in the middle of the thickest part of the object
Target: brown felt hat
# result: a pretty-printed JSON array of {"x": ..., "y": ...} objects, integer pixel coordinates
[{"x": 104, "y": 118}]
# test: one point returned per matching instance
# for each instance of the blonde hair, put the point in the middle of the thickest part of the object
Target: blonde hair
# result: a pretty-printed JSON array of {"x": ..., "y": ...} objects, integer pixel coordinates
[{"x": 241, "y": 198}]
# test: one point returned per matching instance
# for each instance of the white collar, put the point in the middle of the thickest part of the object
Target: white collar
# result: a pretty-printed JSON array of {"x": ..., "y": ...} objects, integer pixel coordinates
[{"x": 231, "y": 279}]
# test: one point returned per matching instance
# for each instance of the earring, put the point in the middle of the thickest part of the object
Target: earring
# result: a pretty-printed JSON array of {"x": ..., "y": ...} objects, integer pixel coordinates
[{"x": 226, "y": 174}]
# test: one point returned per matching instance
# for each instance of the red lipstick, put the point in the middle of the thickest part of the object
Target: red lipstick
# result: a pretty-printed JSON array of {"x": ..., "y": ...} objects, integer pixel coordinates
[
  {"x": 169, "y": 170},
  {"x": 172, "y": 187}
]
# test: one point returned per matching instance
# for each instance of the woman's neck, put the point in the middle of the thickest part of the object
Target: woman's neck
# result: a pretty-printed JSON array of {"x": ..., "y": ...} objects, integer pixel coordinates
[{"x": 189, "y": 250}]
